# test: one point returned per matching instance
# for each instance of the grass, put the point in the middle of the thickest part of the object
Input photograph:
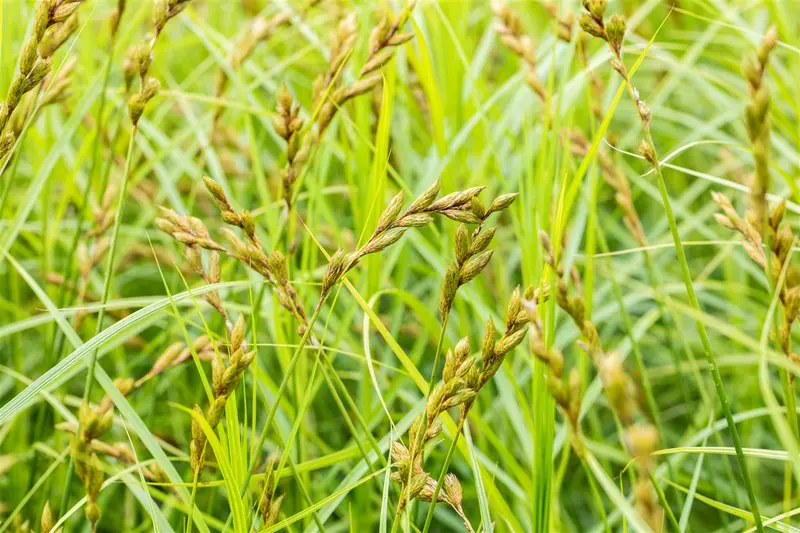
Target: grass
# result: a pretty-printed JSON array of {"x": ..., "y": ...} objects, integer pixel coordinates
[{"x": 398, "y": 266}]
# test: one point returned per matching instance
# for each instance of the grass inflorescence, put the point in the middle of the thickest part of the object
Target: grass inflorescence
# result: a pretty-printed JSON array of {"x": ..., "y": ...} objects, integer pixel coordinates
[{"x": 425, "y": 266}]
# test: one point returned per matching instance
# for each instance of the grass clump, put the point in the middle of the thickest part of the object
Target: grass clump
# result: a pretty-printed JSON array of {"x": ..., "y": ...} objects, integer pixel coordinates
[{"x": 297, "y": 249}]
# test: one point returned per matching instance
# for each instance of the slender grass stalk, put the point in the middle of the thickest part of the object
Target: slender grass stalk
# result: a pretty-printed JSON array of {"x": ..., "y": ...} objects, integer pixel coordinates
[
  {"x": 438, "y": 351},
  {"x": 613, "y": 32},
  {"x": 645, "y": 379},
  {"x": 56, "y": 341},
  {"x": 92, "y": 363},
  {"x": 701, "y": 329},
  {"x": 287, "y": 375}
]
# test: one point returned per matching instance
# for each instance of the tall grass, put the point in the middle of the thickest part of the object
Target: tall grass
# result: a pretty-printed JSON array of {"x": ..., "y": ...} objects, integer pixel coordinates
[{"x": 424, "y": 265}]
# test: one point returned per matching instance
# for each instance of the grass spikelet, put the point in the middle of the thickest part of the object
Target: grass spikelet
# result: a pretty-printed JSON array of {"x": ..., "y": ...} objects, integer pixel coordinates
[
  {"x": 140, "y": 57},
  {"x": 462, "y": 379},
  {"x": 269, "y": 506},
  {"x": 47, "y": 522},
  {"x": 238, "y": 213},
  {"x": 387, "y": 36},
  {"x": 224, "y": 381},
  {"x": 93, "y": 423}
]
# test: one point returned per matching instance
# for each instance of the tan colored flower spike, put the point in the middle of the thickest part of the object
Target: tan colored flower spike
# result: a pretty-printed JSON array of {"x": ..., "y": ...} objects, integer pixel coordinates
[
  {"x": 224, "y": 379},
  {"x": 92, "y": 425},
  {"x": 771, "y": 259},
  {"x": 510, "y": 30},
  {"x": 140, "y": 57},
  {"x": 472, "y": 255},
  {"x": 757, "y": 122},
  {"x": 269, "y": 506},
  {"x": 617, "y": 385},
  {"x": 463, "y": 378},
  {"x": 54, "y": 21},
  {"x": 387, "y": 36}
]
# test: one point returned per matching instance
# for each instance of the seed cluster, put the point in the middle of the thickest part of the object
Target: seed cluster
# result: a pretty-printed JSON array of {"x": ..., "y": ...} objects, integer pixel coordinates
[
  {"x": 773, "y": 260},
  {"x": 56, "y": 89},
  {"x": 330, "y": 94},
  {"x": 269, "y": 506},
  {"x": 224, "y": 379},
  {"x": 757, "y": 122},
  {"x": 569, "y": 398},
  {"x": 472, "y": 255},
  {"x": 423, "y": 486},
  {"x": 140, "y": 57},
  {"x": 640, "y": 437},
  {"x": 386, "y": 37},
  {"x": 463, "y": 378},
  {"x": 54, "y": 22},
  {"x": 394, "y": 222},
  {"x": 511, "y": 32},
  {"x": 93, "y": 423},
  {"x": 119, "y": 451},
  {"x": 612, "y": 31}
]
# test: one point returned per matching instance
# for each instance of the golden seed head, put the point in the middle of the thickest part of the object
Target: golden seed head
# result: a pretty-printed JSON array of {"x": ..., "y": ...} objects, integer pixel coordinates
[
  {"x": 646, "y": 149},
  {"x": 391, "y": 213},
  {"x": 474, "y": 266},
  {"x": 453, "y": 490},
  {"x": 426, "y": 198},
  {"x": 462, "y": 350}
]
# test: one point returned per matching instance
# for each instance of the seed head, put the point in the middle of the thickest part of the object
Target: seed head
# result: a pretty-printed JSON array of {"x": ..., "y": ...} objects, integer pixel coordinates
[
  {"x": 462, "y": 244},
  {"x": 383, "y": 241},
  {"x": 47, "y": 521},
  {"x": 487, "y": 349},
  {"x": 453, "y": 490},
  {"x": 502, "y": 202},
  {"x": 425, "y": 199},
  {"x": 449, "y": 288},
  {"x": 336, "y": 267},
  {"x": 615, "y": 31},
  {"x": 646, "y": 149},
  {"x": 391, "y": 213},
  {"x": 474, "y": 266},
  {"x": 591, "y": 26},
  {"x": 596, "y": 8},
  {"x": 778, "y": 212}
]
